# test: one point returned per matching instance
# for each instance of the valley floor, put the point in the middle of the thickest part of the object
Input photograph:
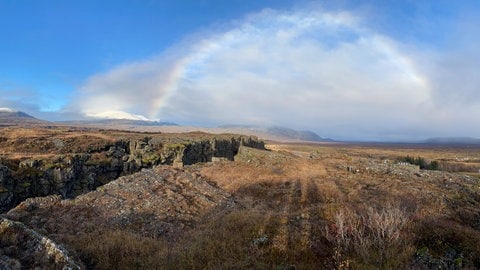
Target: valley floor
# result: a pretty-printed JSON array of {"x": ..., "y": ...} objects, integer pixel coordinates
[{"x": 295, "y": 206}]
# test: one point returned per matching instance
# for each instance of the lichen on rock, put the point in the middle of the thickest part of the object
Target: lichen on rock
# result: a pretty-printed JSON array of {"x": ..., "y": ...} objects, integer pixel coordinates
[
  {"x": 23, "y": 248},
  {"x": 72, "y": 174}
]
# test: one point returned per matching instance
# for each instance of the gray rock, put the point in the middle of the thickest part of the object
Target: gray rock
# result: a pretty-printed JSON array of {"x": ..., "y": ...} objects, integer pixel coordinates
[
  {"x": 72, "y": 175},
  {"x": 35, "y": 250}
]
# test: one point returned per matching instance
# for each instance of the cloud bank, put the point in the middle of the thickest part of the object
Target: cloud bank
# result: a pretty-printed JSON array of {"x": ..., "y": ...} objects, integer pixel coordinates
[
  {"x": 306, "y": 69},
  {"x": 19, "y": 99}
]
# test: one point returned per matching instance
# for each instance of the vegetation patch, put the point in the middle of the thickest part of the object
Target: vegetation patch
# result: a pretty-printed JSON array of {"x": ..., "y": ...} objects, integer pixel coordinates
[
  {"x": 421, "y": 162},
  {"x": 293, "y": 207}
]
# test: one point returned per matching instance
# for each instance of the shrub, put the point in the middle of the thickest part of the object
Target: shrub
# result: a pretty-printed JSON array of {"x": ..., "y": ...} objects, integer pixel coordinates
[
  {"x": 421, "y": 162},
  {"x": 372, "y": 238},
  {"x": 117, "y": 249},
  {"x": 445, "y": 243}
]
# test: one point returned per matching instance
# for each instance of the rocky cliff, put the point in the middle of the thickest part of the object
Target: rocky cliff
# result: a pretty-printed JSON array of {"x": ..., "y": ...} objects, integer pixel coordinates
[
  {"x": 24, "y": 248},
  {"x": 71, "y": 174}
]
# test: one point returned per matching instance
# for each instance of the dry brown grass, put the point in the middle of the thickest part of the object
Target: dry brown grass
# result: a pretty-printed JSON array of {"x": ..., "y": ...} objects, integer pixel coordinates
[
  {"x": 386, "y": 218},
  {"x": 255, "y": 166},
  {"x": 40, "y": 142},
  {"x": 117, "y": 249},
  {"x": 371, "y": 237},
  {"x": 308, "y": 181}
]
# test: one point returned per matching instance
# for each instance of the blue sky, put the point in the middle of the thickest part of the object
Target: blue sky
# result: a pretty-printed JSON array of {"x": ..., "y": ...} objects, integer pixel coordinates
[
  {"x": 51, "y": 47},
  {"x": 346, "y": 69}
]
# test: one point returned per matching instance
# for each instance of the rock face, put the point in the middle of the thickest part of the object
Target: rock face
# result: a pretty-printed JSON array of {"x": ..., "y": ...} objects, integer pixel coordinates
[
  {"x": 72, "y": 174},
  {"x": 23, "y": 248},
  {"x": 153, "y": 202}
]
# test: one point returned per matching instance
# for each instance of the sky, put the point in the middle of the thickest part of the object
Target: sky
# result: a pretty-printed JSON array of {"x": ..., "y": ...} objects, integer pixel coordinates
[{"x": 350, "y": 70}]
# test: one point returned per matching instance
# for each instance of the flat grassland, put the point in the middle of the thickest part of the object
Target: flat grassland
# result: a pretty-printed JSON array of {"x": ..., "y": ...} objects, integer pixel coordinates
[{"x": 294, "y": 206}]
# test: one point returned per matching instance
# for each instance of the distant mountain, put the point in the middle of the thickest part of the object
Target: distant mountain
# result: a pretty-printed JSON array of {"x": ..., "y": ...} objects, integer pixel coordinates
[
  {"x": 279, "y": 133},
  {"x": 117, "y": 122},
  {"x": 302, "y": 135},
  {"x": 6, "y": 114},
  {"x": 10, "y": 117},
  {"x": 453, "y": 140}
]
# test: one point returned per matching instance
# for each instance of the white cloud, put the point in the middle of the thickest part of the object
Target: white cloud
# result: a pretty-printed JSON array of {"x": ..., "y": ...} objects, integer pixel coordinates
[
  {"x": 7, "y": 110},
  {"x": 19, "y": 99},
  {"x": 117, "y": 115},
  {"x": 313, "y": 69}
]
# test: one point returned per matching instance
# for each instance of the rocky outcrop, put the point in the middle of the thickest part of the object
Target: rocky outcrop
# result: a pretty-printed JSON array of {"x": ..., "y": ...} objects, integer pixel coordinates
[
  {"x": 72, "y": 174},
  {"x": 162, "y": 202},
  {"x": 153, "y": 202},
  {"x": 23, "y": 248},
  {"x": 205, "y": 151}
]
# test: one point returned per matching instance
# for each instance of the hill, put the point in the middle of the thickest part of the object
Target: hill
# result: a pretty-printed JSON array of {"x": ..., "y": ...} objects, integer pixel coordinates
[
  {"x": 280, "y": 134},
  {"x": 277, "y": 133},
  {"x": 10, "y": 117},
  {"x": 295, "y": 206},
  {"x": 116, "y": 123},
  {"x": 453, "y": 140},
  {"x": 303, "y": 135}
]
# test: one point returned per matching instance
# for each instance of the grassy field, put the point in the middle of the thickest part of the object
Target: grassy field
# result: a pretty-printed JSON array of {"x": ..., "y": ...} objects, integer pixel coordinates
[{"x": 308, "y": 206}]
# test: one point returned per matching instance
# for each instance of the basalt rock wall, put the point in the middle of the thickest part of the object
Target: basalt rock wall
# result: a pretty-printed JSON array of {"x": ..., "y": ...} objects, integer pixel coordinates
[{"x": 72, "y": 174}]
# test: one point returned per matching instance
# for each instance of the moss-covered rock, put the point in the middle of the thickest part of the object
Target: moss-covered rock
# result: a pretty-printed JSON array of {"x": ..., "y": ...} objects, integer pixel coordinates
[{"x": 72, "y": 174}]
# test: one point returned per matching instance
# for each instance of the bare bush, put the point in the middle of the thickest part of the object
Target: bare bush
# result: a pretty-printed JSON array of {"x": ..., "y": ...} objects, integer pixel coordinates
[
  {"x": 373, "y": 236},
  {"x": 458, "y": 167}
]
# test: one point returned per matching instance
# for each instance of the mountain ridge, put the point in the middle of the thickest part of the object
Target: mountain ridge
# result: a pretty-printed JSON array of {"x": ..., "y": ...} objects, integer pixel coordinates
[
  {"x": 109, "y": 121},
  {"x": 282, "y": 132},
  {"x": 10, "y": 117},
  {"x": 452, "y": 140}
]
